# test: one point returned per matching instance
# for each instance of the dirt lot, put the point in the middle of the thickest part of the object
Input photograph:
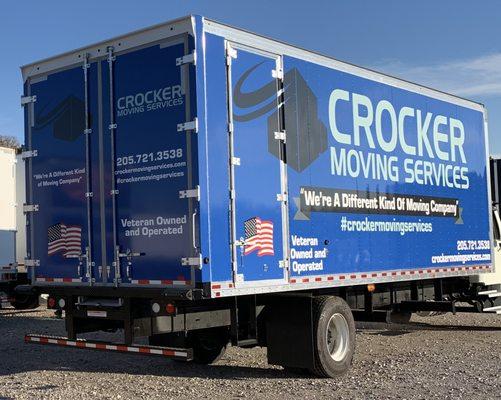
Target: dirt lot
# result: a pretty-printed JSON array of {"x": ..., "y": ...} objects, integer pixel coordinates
[{"x": 439, "y": 357}]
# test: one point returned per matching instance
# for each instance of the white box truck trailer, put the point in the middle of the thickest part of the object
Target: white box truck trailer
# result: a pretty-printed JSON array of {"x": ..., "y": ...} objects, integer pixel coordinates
[
  {"x": 196, "y": 184},
  {"x": 12, "y": 231}
]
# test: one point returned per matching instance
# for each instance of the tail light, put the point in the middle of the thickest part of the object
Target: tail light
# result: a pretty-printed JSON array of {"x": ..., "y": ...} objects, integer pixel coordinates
[{"x": 170, "y": 309}]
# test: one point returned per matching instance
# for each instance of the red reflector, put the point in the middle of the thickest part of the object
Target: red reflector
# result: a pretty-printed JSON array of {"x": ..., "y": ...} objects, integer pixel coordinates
[
  {"x": 170, "y": 308},
  {"x": 51, "y": 302}
]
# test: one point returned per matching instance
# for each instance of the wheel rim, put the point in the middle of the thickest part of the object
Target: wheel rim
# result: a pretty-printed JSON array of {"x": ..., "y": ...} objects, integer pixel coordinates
[{"x": 337, "y": 334}]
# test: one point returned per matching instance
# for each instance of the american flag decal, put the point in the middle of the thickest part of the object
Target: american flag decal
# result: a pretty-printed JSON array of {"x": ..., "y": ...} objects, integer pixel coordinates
[
  {"x": 65, "y": 239},
  {"x": 258, "y": 237}
]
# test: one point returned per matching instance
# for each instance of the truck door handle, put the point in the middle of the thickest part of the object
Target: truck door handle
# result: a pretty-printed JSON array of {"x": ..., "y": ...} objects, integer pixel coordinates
[{"x": 194, "y": 235}]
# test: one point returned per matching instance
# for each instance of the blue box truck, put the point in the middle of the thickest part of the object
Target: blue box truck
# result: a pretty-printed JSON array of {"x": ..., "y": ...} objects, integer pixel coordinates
[{"x": 196, "y": 184}]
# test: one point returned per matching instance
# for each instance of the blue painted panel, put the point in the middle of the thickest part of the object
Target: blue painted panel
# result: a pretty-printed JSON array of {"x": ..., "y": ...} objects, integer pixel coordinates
[
  {"x": 153, "y": 163},
  {"x": 217, "y": 158},
  {"x": 353, "y": 139},
  {"x": 58, "y": 174},
  {"x": 257, "y": 178},
  {"x": 202, "y": 143},
  {"x": 107, "y": 249},
  {"x": 94, "y": 93}
]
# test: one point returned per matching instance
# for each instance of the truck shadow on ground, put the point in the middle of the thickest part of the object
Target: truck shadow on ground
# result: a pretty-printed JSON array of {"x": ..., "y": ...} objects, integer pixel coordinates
[
  {"x": 134, "y": 366},
  {"x": 384, "y": 329},
  {"x": 19, "y": 357}
]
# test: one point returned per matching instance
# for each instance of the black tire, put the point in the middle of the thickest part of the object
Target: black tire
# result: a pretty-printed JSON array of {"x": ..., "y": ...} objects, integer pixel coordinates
[
  {"x": 326, "y": 308},
  {"x": 209, "y": 345},
  {"x": 25, "y": 302}
]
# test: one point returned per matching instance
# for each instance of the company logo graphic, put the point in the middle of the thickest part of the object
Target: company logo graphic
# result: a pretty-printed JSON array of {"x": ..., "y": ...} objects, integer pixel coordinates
[
  {"x": 64, "y": 239},
  {"x": 258, "y": 237},
  {"x": 151, "y": 100},
  {"x": 306, "y": 134},
  {"x": 67, "y": 119}
]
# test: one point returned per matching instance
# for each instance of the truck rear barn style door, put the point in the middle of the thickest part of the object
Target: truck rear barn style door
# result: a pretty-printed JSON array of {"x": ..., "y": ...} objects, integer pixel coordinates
[
  {"x": 258, "y": 182},
  {"x": 112, "y": 193},
  {"x": 59, "y": 219},
  {"x": 153, "y": 207}
]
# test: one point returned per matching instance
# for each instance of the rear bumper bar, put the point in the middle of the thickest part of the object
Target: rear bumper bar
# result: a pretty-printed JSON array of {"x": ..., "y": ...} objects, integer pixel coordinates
[{"x": 169, "y": 352}]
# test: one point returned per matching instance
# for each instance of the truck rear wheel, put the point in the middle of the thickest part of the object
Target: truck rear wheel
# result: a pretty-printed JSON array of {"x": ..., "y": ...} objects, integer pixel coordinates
[
  {"x": 25, "y": 302},
  {"x": 333, "y": 335}
]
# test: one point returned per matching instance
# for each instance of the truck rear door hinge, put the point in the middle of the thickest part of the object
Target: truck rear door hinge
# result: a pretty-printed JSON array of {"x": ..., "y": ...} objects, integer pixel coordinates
[
  {"x": 231, "y": 53},
  {"x": 27, "y": 100},
  {"x": 238, "y": 278},
  {"x": 278, "y": 73},
  {"x": 30, "y": 208},
  {"x": 31, "y": 263},
  {"x": 188, "y": 58},
  {"x": 190, "y": 193},
  {"x": 188, "y": 126},
  {"x": 280, "y": 136},
  {"x": 282, "y": 197},
  {"x": 192, "y": 261},
  {"x": 111, "y": 57},
  {"x": 28, "y": 154}
]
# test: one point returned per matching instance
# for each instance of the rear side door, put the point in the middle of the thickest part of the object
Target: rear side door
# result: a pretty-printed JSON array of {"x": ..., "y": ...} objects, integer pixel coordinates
[
  {"x": 151, "y": 195},
  {"x": 258, "y": 182}
]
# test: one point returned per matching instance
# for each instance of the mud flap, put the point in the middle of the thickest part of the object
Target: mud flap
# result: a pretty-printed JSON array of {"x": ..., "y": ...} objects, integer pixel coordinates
[{"x": 289, "y": 331}]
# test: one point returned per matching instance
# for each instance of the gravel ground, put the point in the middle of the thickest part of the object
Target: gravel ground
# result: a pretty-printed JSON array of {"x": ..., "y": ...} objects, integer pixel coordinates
[{"x": 431, "y": 358}]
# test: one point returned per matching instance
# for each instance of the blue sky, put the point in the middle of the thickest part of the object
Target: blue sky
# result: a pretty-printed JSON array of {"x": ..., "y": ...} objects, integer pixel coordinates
[{"x": 450, "y": 45}]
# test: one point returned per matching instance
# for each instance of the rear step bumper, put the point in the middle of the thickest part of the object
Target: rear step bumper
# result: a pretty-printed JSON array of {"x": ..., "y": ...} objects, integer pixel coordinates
[{"x": 169, "y": 352}]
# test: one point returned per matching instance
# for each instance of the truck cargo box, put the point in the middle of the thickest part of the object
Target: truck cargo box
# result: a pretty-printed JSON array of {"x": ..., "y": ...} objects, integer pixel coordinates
[
  {"x": 196, "y": 155},
  {"x": 8, "y": 267}
]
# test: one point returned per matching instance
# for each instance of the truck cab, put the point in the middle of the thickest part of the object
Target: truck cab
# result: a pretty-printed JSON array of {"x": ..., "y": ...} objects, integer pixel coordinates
[{"x": 491, "y": 282}]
